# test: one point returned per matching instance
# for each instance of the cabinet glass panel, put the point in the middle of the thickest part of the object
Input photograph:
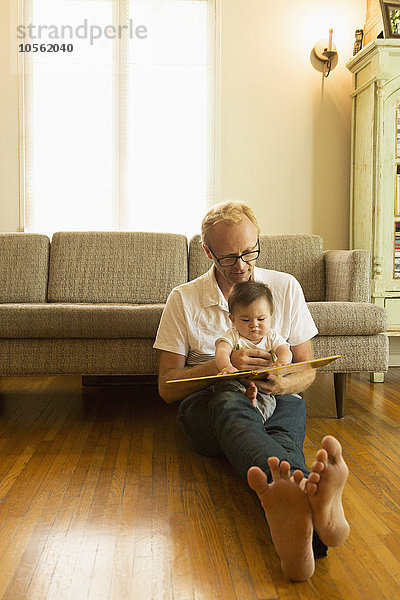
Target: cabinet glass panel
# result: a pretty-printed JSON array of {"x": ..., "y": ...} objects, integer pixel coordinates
[
  {"x": 397, "y": 132},
  {"x": 397, "y": 250}
]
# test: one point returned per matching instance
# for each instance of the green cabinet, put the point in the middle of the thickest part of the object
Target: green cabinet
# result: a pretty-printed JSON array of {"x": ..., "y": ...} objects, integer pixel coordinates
[{"x": 375, "y": 169}]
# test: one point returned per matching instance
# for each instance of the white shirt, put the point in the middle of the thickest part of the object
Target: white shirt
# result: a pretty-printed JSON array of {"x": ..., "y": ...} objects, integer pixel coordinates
[
  {"x": 271, "y": 340},
  {"x": 196, "y": 313}
]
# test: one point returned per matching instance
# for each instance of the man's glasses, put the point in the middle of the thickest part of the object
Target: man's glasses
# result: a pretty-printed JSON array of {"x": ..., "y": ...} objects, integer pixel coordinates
[{"x": 229, "y": 261}]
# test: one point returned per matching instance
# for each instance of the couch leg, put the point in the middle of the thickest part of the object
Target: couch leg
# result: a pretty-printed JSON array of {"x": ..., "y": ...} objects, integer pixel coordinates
[
  {"x": 339, "y": 380},
  {"x": 377, "y": 377}
]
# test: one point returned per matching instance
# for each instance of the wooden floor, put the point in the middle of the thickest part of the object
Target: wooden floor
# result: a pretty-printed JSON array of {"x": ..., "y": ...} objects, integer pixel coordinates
[{"x": 101, "y": 498}]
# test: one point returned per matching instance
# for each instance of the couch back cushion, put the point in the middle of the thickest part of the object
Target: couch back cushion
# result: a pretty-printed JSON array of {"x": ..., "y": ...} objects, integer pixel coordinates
[
  {"x": 24, "y": 263},
  {"x": 124, "y": 267},
  {"x": 300, "y": 255}
]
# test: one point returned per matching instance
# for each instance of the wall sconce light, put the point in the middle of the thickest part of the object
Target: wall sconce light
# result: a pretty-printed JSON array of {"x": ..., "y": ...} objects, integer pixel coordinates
[{"x": 324, "y": 56}]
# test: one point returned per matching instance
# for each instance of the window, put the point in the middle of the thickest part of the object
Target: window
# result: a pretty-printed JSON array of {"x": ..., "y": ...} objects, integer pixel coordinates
[{"x": 118, "y": 118}]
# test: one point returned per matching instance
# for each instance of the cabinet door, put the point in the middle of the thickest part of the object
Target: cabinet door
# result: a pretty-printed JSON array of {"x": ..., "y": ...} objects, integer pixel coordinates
[
  {"x": 392, "y": 306},
  {"x": 389, "y": 202},
  {"x": 363, "y": 166}
]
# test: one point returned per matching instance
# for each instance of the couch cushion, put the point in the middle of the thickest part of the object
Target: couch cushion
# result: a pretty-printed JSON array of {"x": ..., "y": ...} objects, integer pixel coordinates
[
  {"x": 79, "y": 356},
  {"x": 79, "y": 321},
  {"x": 348, "y": 318},
  {"x": 348, "y": 275},
  {"x": 24, "y": 261},
  {"x": 359, "y": 353},
  {"x": 105, "y": 267},
  {"x": 300, "y": 255}
]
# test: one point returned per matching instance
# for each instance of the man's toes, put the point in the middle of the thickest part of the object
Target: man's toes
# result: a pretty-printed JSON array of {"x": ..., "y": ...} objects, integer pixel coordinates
[
  {"x": 311, "y": 488},
  {"x": 314, "y": 477},
  {"x": 332, "y": 447},
  {"x": 321, "y": 456},
  {"x": 257, "y": 480},
  {"x": 273, "y": 463},
  {"x": 298, "y": 476},
  {"x": 285, "y": 469},
  {"x": 317, "y": 466}
]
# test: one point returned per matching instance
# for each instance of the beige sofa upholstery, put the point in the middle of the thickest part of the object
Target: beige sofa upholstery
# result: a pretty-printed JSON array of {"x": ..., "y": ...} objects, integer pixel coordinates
[
  {"x": 95, "y": 303},
  {"x": 89, "y": 303}
]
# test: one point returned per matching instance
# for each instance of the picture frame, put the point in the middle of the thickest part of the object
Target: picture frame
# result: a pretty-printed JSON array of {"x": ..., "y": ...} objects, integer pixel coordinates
[{"x": 391, "y": 18}]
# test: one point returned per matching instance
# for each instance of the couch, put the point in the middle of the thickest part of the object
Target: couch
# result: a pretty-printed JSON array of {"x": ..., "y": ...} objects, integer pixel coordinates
[{"x": 89, "y": 303}]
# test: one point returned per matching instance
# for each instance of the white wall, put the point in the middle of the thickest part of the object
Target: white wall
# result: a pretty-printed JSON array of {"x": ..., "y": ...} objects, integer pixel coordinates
[{"x": 285, "y": 132}]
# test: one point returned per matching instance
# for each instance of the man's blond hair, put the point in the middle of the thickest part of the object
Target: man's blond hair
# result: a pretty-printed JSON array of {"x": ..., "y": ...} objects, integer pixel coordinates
[{"x": 227, "y": 212}]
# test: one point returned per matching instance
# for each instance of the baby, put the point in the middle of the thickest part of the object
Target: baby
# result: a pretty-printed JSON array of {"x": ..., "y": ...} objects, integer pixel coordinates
[{"x": 250, "y": 310}]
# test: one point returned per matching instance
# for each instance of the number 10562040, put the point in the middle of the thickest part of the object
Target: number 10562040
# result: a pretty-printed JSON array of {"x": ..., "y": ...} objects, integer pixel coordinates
[{"x": 46, "y": 47}]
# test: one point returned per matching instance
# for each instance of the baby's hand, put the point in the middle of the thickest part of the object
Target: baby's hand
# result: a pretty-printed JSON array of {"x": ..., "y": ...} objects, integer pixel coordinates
[
  {"x": 251, "y": 393},
  {"x": 228, "y": 370}
]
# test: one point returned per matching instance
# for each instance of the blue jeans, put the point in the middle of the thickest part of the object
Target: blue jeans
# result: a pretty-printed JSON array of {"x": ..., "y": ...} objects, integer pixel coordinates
[{"x": 225, "y": 423}]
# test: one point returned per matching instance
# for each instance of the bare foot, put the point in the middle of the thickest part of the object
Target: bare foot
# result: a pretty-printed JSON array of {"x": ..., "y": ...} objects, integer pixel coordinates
[
  {"x": 289, "y": 517},
  {"x": 324, "y": 489},
  {"x": 251, "y": 393}
]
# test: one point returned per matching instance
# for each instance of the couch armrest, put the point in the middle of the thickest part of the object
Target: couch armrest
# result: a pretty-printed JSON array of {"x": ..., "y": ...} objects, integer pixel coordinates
[{"x": 348, "y": 275}]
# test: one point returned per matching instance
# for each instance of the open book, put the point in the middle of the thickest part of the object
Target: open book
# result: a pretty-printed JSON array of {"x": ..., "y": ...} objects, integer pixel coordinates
[{"x": 284, "y": 370}]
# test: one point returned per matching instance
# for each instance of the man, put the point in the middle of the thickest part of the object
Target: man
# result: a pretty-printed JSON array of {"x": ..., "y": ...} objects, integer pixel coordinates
[{"x": 225, "y": 422}]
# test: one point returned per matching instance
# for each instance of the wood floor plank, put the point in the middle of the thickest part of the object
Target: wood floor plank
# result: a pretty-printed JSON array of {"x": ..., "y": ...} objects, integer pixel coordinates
[
  {"x": 181, "y": 571},
  {"x": 12, "y": 553},
  {"x": 10, "y": 477},
  {"x": 70, "y": 565},
  {"x": 205, "y": 586}
]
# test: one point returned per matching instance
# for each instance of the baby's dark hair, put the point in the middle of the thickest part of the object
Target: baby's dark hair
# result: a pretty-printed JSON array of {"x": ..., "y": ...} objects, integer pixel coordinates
[{"x": 246, "y": 292}]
